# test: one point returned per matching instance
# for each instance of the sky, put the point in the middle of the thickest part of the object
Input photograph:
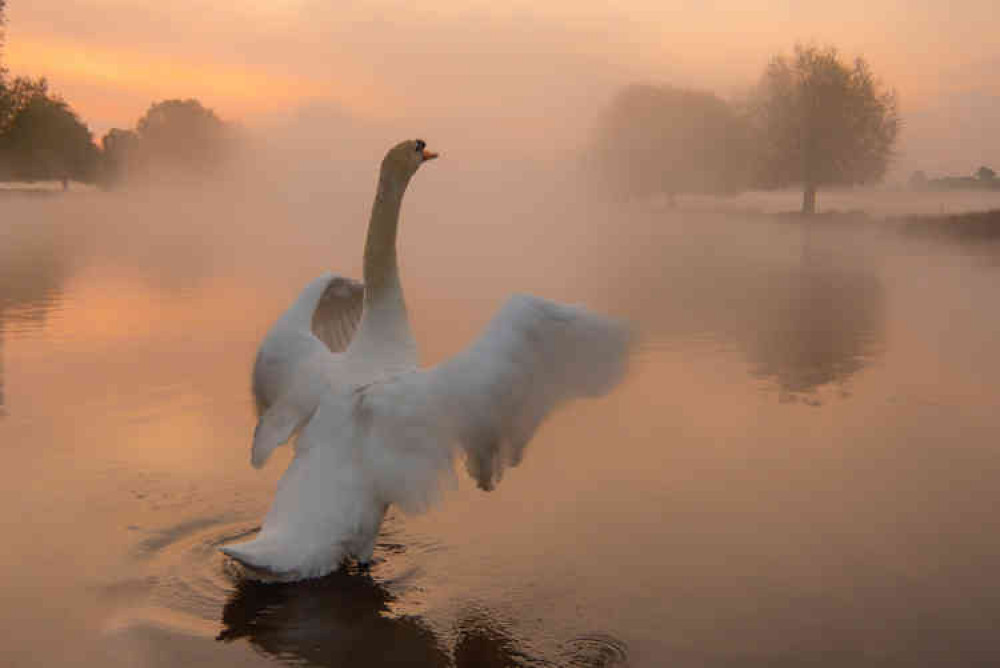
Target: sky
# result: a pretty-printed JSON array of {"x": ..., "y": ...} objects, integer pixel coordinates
[{"x": 494, "y": 74}]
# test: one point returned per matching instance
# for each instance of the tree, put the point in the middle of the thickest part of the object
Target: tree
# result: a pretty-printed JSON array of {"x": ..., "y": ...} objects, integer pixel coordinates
[
  {"x": 15, "y": 96},
  {"x": 664, "y": 140},
  {"x": 184, "y": 138},
  {"x": 45, "y": 139},
  {"x": 3, "y": 69},
  {"x": 3, "y": 21},
  {"x": 985, "y": 174},
  {"x": 119, "y": 156},
  {"x": 822, "y": 122}
]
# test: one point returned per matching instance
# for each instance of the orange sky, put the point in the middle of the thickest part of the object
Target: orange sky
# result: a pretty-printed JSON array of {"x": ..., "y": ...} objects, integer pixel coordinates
[{"x": 518, "y": 66}]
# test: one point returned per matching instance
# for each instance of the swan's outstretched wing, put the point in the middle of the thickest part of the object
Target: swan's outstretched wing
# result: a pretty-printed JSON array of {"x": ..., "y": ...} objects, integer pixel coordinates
[
  {"x": 338, "y": 313},
  {"x": 487, "y": 401},
  {"x": 289, "y": 374}
]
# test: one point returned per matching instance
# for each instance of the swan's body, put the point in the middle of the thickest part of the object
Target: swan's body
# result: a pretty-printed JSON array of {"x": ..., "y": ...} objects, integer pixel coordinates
[{"x": 340, "y": 369}]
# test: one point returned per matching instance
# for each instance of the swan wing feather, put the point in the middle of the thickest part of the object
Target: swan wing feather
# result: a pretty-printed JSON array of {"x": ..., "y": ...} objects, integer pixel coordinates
[
  {"x": 338, "y": 313},
  {"x": 274, "y": 428},
  {"x": 294, "y": 362},
  {"x": 487, "y": 402}
]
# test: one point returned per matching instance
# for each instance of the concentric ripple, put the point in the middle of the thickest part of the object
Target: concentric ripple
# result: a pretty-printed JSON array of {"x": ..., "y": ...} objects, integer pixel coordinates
[
  {"x": 186, "y": 579},
  {"x": 595, "y": 651}
]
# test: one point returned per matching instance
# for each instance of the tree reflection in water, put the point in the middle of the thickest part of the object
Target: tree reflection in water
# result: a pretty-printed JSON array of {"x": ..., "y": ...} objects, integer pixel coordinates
[
  {"x": 35, "y": 263},
  {"x": 804, "y": 304},
  {"x": 819, "y": 325}
]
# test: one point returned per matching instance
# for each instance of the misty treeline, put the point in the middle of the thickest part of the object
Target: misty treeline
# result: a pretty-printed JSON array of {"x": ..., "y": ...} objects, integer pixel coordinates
[
  {"x": 175, "y": 140},
  {"x": 43, "y": 138},
  {"x": 984, "y": 178},
  {"x": 812, "y": 121}
]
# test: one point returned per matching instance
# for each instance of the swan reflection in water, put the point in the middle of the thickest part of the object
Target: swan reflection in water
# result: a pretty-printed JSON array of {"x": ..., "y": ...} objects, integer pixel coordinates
[
  {"x": 339, "y": 620},
  {"x": 345, "y": 619}
]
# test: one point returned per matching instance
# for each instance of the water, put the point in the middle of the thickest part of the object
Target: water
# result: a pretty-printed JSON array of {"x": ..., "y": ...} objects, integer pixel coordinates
[{"x": 799, "y": 470}]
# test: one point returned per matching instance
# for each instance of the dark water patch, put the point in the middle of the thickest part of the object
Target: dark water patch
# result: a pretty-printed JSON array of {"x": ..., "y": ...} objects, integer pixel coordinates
[
  {"x": 482, "y": 639},
  {"x": 390, "y": 547},
  {"x": 340, "y": 620},
  {"x": 974, "y": 226},
  {"x": 347, "y": 619}
]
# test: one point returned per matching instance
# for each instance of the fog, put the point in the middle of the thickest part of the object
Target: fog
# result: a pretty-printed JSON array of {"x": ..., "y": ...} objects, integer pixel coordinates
[
  {"x": 799, "y": 468},
  {"x": 806, "y": 431},
  {"x": 521, "y": 77}
]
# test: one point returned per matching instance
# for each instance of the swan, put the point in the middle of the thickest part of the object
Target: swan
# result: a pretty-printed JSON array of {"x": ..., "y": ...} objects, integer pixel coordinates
[{"x": 339, "y": 372}]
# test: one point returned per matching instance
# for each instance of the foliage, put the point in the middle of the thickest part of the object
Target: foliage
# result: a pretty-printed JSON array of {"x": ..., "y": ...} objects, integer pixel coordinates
[
  {"x": 119, "y": 156},
  {"x": 174, "y": 141},
  {"x": 41, "y": 137},
  {"x": 984, "y": 173},
  {"x": 46, "y": 140},
  {"x": 820, "y": 122},
  {"x": 183, "y": 137},
  {"x": 664, "y": 140},
  {"x": 3, "y": 70},
  {"x": 15, "y": 95}
]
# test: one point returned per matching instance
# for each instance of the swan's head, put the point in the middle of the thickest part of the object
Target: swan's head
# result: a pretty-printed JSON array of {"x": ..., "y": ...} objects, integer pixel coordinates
[{"x": 404, "y": 159}]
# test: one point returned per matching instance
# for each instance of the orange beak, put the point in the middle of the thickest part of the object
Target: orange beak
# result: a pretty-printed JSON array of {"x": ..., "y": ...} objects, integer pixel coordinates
[{"x": 429, "y": 155}]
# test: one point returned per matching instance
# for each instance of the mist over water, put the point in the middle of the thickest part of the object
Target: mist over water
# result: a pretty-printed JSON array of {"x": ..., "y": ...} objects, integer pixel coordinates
[{"x": 799, "y": 469}]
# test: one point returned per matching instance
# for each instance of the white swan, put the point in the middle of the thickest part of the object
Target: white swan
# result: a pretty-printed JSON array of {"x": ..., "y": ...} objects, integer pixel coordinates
[{"x": 373, "y": 430}]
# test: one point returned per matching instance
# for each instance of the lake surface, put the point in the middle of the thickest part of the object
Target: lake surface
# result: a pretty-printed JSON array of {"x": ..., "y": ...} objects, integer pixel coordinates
[{"x": 801, "y": 468}]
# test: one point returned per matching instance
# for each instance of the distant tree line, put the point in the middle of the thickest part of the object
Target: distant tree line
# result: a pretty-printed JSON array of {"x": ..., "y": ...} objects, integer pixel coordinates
[
  {"x": 663, "y": 140},
  {"x": 175, "y": 141},
  {"x": 42, "y": 138},
  {"x": 985, "y": 178},
  {"x": 812, "y": 120}
]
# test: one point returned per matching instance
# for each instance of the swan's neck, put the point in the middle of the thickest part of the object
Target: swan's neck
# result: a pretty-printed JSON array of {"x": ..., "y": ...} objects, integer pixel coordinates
[
  {"x": 384, "y": 337},
  {"x": 381, "y": 269}
]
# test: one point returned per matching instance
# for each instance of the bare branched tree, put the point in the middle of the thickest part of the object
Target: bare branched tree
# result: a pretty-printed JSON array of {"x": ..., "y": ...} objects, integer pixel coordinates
[{"x": 822, "y": 122}]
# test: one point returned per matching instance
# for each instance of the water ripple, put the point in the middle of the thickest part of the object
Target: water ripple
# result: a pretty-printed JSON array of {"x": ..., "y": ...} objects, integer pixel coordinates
[{"x": 595, "y": 651}]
